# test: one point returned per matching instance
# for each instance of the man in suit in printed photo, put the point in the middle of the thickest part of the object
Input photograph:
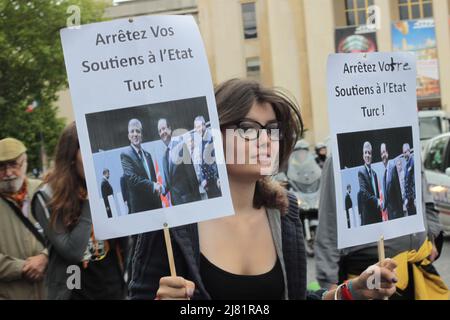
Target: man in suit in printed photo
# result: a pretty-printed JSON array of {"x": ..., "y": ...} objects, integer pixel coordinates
[
  {"x": 138, "y": 168},
  {"x": 349, "y": 206},
  {"x": 368, "y": 184},
  {"x": 179, "y": 173},
  {"x": 392, "y": 193},
  {"x": 124, "y": 190},
  {"x": 107, "y": 191},
  {"x": 204, "y": 159},
  {"x": 410, "y": 190}
]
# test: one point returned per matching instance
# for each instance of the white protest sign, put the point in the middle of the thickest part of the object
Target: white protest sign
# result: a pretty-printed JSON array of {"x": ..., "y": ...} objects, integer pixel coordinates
[
  {"x": 375, "y": 144},
  {"x": 137, "y": 86}
]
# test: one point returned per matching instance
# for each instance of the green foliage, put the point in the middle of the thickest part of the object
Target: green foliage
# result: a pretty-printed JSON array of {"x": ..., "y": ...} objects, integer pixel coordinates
[{"x": 32, "y": 68}]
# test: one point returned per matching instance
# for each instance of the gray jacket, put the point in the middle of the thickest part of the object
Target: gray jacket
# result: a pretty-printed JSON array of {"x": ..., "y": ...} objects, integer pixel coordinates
[
  {"x": 65, "y": 248},
  {"x": 17, "y": 243},
  {"x": 327, "y": 254}
]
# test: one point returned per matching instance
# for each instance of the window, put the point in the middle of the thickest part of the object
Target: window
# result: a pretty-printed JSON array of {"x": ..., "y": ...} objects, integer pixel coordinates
[
  {"x": 429, "y": 127},
  {"x": 415, "y": 9},
  {"x": 356, "y": 11},
  {"x": 253, "y": 68},
  {"x": 435, "y": 156},
  {"x": 249, "y": 20}
]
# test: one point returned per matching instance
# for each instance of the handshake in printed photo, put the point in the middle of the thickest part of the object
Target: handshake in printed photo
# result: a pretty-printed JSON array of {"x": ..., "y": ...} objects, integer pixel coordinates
[{"x": 159, "y": 189}]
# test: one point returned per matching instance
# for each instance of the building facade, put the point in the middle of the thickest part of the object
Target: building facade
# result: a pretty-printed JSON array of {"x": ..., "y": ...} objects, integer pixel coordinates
[{"x": 286, "y": 43}]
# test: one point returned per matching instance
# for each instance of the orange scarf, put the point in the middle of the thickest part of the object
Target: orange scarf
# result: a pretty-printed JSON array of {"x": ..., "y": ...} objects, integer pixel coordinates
[{"x": 19, "y": 197}]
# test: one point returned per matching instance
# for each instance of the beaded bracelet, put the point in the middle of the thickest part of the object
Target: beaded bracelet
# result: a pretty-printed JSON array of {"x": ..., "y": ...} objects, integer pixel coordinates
[
  {"x": 345, "y": 291},
  {"x": 337, "y": 289},
  {"x": 350, "y": 288}
]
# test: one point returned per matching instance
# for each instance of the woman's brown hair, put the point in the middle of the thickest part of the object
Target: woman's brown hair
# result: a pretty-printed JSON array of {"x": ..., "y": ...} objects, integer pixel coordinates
[
  {"x": 234, "y": 100},
  {"x": 68, "y": 188}
]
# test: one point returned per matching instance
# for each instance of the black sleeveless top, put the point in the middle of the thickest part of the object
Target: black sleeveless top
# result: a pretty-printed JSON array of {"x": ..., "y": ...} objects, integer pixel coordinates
[{"x": 222, "y": 285}]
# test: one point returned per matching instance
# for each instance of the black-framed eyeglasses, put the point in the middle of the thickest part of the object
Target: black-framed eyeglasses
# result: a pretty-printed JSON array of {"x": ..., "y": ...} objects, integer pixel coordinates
[
  {"x": 250, "y": 129},
  {"x": 15, "y": 165}
]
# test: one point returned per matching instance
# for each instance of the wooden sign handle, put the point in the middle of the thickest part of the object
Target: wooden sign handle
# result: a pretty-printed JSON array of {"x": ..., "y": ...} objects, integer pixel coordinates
[
  {"x": 381, "y": 254},
  {"x": 173, "y": 271}
]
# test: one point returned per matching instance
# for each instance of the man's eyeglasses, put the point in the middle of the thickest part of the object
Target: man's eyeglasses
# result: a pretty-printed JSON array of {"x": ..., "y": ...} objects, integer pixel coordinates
[
  {"x": 249, "y": 129},
  {"x": 14, "y": 165}
]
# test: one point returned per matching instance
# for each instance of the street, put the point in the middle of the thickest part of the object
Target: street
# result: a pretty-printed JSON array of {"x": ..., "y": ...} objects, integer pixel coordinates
[{"x": 442, "y": 265}]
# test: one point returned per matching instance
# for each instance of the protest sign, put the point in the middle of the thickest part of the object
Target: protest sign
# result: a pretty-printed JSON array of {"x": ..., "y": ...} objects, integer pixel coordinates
[
  {"x": 375, "y": 143},
  {"x": 138, "y": 86}
]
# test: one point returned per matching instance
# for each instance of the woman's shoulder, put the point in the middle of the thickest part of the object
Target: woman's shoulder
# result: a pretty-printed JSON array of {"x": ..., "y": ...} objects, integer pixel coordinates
[
  {"x": 39, "y": 205},
  {"x": 44, "y": 190}
]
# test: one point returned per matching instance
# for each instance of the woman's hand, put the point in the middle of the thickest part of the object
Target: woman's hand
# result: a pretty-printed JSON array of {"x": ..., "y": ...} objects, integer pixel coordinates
[
  {"x": 175, "y": 288},
  {"x": 377, "y": 282},
  {"x": 434, "y": 254}
]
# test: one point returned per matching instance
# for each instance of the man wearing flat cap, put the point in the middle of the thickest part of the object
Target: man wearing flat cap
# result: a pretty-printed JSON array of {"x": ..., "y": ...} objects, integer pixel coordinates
[{"x": 23, "y": 256}]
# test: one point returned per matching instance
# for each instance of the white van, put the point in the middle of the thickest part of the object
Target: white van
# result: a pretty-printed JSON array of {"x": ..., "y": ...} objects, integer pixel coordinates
[
  {"x": 436, "y": 162},
  {"x": 432, "y": 123}
]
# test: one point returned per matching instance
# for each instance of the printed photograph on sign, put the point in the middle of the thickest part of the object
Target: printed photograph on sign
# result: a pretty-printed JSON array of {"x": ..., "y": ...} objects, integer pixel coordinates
[
  {"x": 377, "y": 169},
  {"x": 153, "y": 156}
]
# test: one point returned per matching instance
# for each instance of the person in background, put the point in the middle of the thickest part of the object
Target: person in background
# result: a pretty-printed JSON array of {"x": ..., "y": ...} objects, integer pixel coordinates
[
  {"x": 36, "y": 173},
  {"x": 321, "y": 154},
  {"x": 23, "y": 256},
  {"x": 61, "y": 206}
]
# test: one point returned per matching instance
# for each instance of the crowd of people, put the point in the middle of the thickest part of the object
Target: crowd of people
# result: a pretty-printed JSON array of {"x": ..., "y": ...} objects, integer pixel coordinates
[{"x": 47, "y": 236}]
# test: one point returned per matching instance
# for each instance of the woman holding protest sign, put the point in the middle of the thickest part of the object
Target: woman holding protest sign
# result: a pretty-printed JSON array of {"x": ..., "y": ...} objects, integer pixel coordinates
[
  {"x": 80, "y": 267},
  {"x": 259, "y": 252}
]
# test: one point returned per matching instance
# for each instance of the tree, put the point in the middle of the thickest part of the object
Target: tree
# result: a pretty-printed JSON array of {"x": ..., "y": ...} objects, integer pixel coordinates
[{"x": 32, "y": 68}]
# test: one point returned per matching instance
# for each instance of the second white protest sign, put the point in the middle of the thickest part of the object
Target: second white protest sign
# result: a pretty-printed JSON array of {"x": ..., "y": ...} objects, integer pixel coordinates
[{"x": 375, "y": 146}]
